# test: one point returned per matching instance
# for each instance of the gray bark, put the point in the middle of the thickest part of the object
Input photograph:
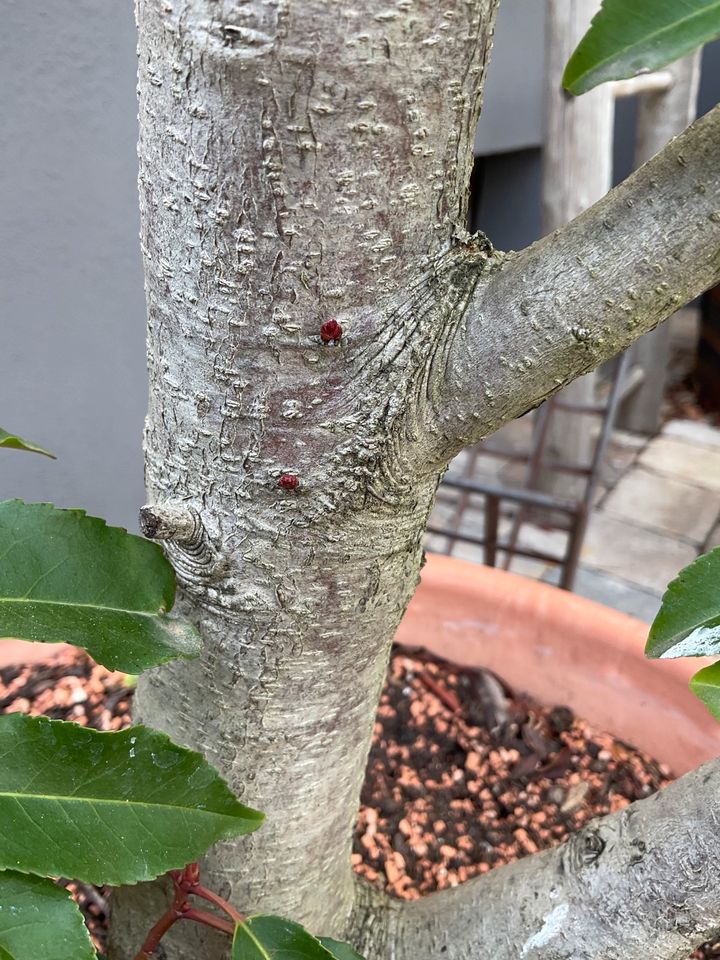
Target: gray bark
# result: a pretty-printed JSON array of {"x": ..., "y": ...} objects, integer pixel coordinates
[
  {"x": 300, "y": 163},
  {"x": 296, "y": 165}
]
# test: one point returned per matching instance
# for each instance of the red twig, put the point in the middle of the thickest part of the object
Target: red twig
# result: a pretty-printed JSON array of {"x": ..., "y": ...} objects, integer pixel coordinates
[
  {"x": 223, "y": 905},
  {"x": 210, "y": 920},
  {"x": 187, "y": 882},
  {"x": 158, "y": 931}
]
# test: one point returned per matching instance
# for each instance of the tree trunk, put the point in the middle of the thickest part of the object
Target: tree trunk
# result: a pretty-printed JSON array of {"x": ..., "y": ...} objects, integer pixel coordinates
[
  {"x": 296, "y": 167},
  {"x": 301, "y": 163}
]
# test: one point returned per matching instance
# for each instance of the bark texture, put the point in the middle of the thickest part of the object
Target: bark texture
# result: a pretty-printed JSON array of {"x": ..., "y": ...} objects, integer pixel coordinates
[{"x": 301, "y": 162}]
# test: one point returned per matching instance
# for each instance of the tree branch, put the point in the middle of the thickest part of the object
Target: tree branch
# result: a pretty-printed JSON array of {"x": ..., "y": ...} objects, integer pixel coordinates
[
  {"x": 544, "y": 316},
  {"x": 639, "y": 883}
]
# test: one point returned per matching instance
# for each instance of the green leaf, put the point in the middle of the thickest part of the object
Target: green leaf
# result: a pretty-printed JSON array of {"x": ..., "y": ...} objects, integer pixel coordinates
[
  {"x": 40, "y": 921},
  {"x": 15, "y": 442},
  {"x": 706, "y": 687},
  {"x": 67, "y": 577},
  {"x": 339, "y": 950},
  {"x": 273, "y": 938},
  {"x": 627, "y": 37},
  {"x": 688, "y": 622},
  {"x": 107, "y": 807}
]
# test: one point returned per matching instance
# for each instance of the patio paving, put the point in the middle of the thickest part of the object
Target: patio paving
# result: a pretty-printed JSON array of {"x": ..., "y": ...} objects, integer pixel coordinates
[
  {"x": 698, "y": 463},
  {"x": 657, "y": 507},
  {"x": 662, "y": 503}
]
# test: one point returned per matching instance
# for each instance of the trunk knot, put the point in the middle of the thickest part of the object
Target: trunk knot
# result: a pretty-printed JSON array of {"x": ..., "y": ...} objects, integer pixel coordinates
[
  {"x": 185, "y": 539},
  {"x": 584, "y": 849}
]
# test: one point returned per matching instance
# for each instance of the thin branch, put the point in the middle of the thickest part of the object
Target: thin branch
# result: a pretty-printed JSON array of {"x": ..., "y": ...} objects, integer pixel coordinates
[
  {"x": 544, "y": 316},
  {"x": 186, "y": 882},
  {"x": 159, "y": 929},
  {"x": 640, "y": 883},
  {"x": 210, "y": 920},
  {"x": 199, "y": 891}
]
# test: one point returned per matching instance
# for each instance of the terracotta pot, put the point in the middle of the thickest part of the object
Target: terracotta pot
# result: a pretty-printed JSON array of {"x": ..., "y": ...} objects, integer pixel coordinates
[
  {"x": 563, "y": 650},
  {"x": 18, "y": 651}
]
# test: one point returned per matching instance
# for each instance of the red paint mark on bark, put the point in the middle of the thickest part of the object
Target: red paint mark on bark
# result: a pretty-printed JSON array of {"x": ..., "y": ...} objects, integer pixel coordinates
[{"x": 331, "y": 331}]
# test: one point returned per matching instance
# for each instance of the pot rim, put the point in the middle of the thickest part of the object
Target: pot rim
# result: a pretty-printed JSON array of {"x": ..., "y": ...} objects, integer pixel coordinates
[{"x": 563, "y": 649}]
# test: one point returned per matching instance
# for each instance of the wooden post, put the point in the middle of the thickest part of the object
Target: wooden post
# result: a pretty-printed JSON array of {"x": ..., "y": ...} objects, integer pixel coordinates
[
  {"x": 577, "y": 171},
  {"x": 662, "y": 115}
]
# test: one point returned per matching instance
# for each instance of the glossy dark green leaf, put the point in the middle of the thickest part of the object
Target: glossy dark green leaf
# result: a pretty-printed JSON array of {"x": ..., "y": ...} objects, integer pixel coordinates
[
  {"x": 706, "y": 686},
  {"x": 273, "y": 938},
  {"x": 688, "y": 622},
  {"x": 107, "y": 807},
  {"x": 628, "y": 37},
  {"x": 40, "y": 921},
  {"x": 14, "y": 442},
  {"x": 339, "y": 950},
  {"x": 67, "y": 577}
]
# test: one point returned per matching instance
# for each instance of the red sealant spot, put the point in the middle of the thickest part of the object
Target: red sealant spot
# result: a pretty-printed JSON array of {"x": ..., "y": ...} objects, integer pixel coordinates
[
  {"x": 331, "y": 331},
  {"x": 288, "y": 482}
]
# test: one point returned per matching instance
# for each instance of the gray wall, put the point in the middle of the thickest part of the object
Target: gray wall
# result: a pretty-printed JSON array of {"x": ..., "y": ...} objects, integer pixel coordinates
[
  {"x": 72, "y": 367},
  {"x": 512, "y": 113}
]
